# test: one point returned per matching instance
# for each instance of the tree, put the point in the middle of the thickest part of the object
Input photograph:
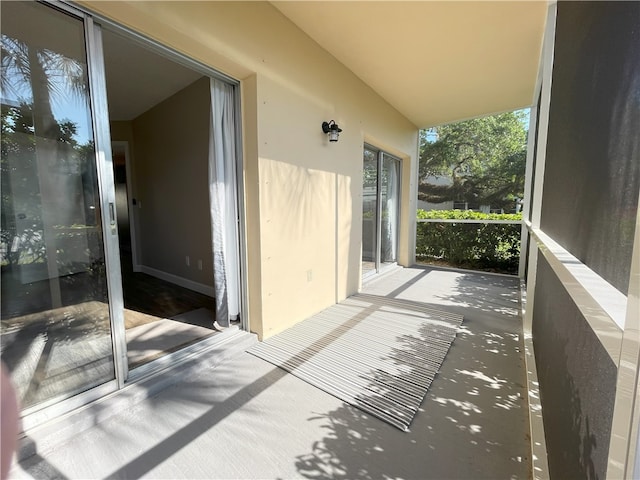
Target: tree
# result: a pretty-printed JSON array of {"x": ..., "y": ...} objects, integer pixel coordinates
[
  {"x": 34, "y": 143},
  {"x": 482, "y": 160},
  {"x": 18, "y": 169},
  {"x": 40, "y": 76}
]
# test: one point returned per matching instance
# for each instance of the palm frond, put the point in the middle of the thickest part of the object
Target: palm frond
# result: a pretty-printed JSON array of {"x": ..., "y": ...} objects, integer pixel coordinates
[
  {"x": 15, "y": 70},
  {"x": 64, "y": 75}
]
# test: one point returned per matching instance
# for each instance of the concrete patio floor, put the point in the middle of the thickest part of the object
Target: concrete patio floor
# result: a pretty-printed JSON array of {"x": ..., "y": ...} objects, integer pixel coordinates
[{"x": 248, "y": 419}]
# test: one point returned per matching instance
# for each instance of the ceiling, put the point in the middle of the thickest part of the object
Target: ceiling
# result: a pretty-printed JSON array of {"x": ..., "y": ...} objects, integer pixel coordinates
[
  {"x": 138, "y": 78},
  {"x": 435, "y": 62}
]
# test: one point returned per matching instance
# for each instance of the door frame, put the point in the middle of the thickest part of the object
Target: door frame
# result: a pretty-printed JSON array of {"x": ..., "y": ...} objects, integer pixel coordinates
[
  {"x": 132, "y": 208},
  {"x": 93, "y": 26},
  {"x": 380, "y": 153},
  {"x": 206, "y": 70},
  {"x": 106, "y": 182},
  {"x": 56, "y": 407}
]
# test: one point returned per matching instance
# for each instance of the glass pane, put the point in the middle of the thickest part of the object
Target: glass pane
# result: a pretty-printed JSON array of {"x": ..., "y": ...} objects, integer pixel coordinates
[
  {"x": 55, "y": 328},
  {"x": 369, "y": 210},
  {"x": 390, "y": 198}
]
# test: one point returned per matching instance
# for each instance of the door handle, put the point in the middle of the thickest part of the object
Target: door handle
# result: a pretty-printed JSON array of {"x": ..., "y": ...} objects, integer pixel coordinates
[{"x": 112, "y": 215}]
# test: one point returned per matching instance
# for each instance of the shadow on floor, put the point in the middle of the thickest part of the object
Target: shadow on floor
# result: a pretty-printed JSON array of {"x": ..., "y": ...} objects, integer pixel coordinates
[{"x": 472, "y": 424}]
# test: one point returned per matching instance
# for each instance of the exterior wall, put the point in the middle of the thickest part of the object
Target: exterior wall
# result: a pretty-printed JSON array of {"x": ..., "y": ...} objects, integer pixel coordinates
[
  {"x": 303, "y": 195},
  {"x": 435, "y": 206},
  {"x": 588, "y": 209},
  {"x": 577, "y": 381},
  {"x": 171, "y": 165},
  {"x": 594, "y": 125}
]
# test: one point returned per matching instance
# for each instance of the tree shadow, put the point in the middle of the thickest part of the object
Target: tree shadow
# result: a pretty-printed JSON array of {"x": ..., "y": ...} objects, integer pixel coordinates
[{"x": 473, "y": 422}]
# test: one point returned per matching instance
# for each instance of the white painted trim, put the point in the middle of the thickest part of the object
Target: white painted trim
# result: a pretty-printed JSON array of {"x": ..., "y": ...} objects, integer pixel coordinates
[
  {"x": 609, "y": 298},
  {"x": 180, "y": 281},
  {"x": 601, "y": 304},
  {"x": 534, "y": 207},
  {"x": 528, "y": 179},
  {"x": 539, "y": 462},
  {"x": 530, "y": 281},
  {"x": 531, "y": 212},
  {"x": 465, "y": 270},
  {"x": 543, "y": 125},
  {"x": 466, "y": 220},
  {"x": 413, "y": 202},
  {"x": 623, "y": 447}
]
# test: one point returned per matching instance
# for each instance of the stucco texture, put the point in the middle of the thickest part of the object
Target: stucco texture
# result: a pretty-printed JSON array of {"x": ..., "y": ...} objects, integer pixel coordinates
[{"x": 303, "y": 196}]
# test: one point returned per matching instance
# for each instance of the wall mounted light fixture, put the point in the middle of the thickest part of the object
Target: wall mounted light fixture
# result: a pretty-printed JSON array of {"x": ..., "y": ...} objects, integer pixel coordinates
[{"x": 332, "y": 129}]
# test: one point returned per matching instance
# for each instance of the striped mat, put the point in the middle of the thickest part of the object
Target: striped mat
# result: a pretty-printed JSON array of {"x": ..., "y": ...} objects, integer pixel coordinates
[{"x": 375, "y": 353}]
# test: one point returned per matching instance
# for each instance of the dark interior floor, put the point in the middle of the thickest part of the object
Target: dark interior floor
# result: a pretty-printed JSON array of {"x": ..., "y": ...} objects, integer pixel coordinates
[
  {"x": 149, "y": 304},
  {"x": 44, "y": 344},
  {"x": 142, "y": 293},
  {"x": 153, "y": 296}
]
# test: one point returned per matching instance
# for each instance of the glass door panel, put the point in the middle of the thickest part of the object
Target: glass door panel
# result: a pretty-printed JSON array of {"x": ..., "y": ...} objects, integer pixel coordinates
[
  {"x": 55, "y": 328},
  {"x": 369, "y": 211},
  {"x": 389, "y": 199},
  {"x": 380, "y": 210}
]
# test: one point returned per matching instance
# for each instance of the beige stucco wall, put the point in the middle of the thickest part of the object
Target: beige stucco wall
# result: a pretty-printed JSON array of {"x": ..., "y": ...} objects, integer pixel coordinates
[
  {"x": 171, "y": 144},
  {"x": 303, "y": 195}
]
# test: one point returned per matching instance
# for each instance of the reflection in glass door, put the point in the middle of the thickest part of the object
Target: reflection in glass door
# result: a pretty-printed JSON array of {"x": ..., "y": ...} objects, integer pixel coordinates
[
  {"x": 55, "y": 328},
  {"x": 369, "y": 211},
  {"x": 380, "y": 210},
  {"x": 389, "y": 205}
]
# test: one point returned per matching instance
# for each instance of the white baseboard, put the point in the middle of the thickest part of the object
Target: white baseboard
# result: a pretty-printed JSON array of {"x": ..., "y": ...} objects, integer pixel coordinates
[{"x": 182, "y": 282}]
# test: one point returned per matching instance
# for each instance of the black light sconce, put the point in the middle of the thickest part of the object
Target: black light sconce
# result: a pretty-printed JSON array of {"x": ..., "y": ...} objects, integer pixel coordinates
[{"x": 332, "y": 129}]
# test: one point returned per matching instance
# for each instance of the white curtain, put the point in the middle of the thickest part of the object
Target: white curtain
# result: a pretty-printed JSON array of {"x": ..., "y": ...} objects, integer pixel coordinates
[
  {"x": 392, "y": 167},
  {"x": 223, "y": 202}
]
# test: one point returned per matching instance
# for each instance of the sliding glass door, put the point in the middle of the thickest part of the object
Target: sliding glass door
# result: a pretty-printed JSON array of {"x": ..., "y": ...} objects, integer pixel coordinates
[
  {"x": 380, "y": 210},
  {"x": 62, "y": 327},
  {"x": 389, "y": 200},
  {"x": 56, "y": 330},
  {"x": 369, "y": 211}
]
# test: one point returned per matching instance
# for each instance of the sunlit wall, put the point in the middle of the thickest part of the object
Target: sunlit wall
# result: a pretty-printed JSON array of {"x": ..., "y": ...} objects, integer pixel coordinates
[{"x": 303, "y": 195}]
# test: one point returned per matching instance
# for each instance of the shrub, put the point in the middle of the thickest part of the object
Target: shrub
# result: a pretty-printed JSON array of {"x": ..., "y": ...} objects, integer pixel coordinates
[{"x": 489, "y": 247}]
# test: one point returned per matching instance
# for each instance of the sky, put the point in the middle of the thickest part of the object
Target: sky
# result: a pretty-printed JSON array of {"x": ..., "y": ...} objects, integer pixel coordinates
[
  {"x": 432, "y": 134},
  {"x": 65, "y": 103}
]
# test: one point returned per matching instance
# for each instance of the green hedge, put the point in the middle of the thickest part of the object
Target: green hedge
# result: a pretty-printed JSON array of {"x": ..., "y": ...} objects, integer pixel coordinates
[{"x": 489, "y": 247}]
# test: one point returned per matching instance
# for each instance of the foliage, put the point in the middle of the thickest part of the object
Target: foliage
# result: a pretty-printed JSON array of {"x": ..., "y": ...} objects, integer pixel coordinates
[
  {"x": 466, "y": 215},
  {"x": 490, "y": 247},
  {"x": 483, "y": 160},
  {"x": 34, "y": 144},
  {"x": 21, "y": 194},
  {"x": 25, "y": 68}
]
